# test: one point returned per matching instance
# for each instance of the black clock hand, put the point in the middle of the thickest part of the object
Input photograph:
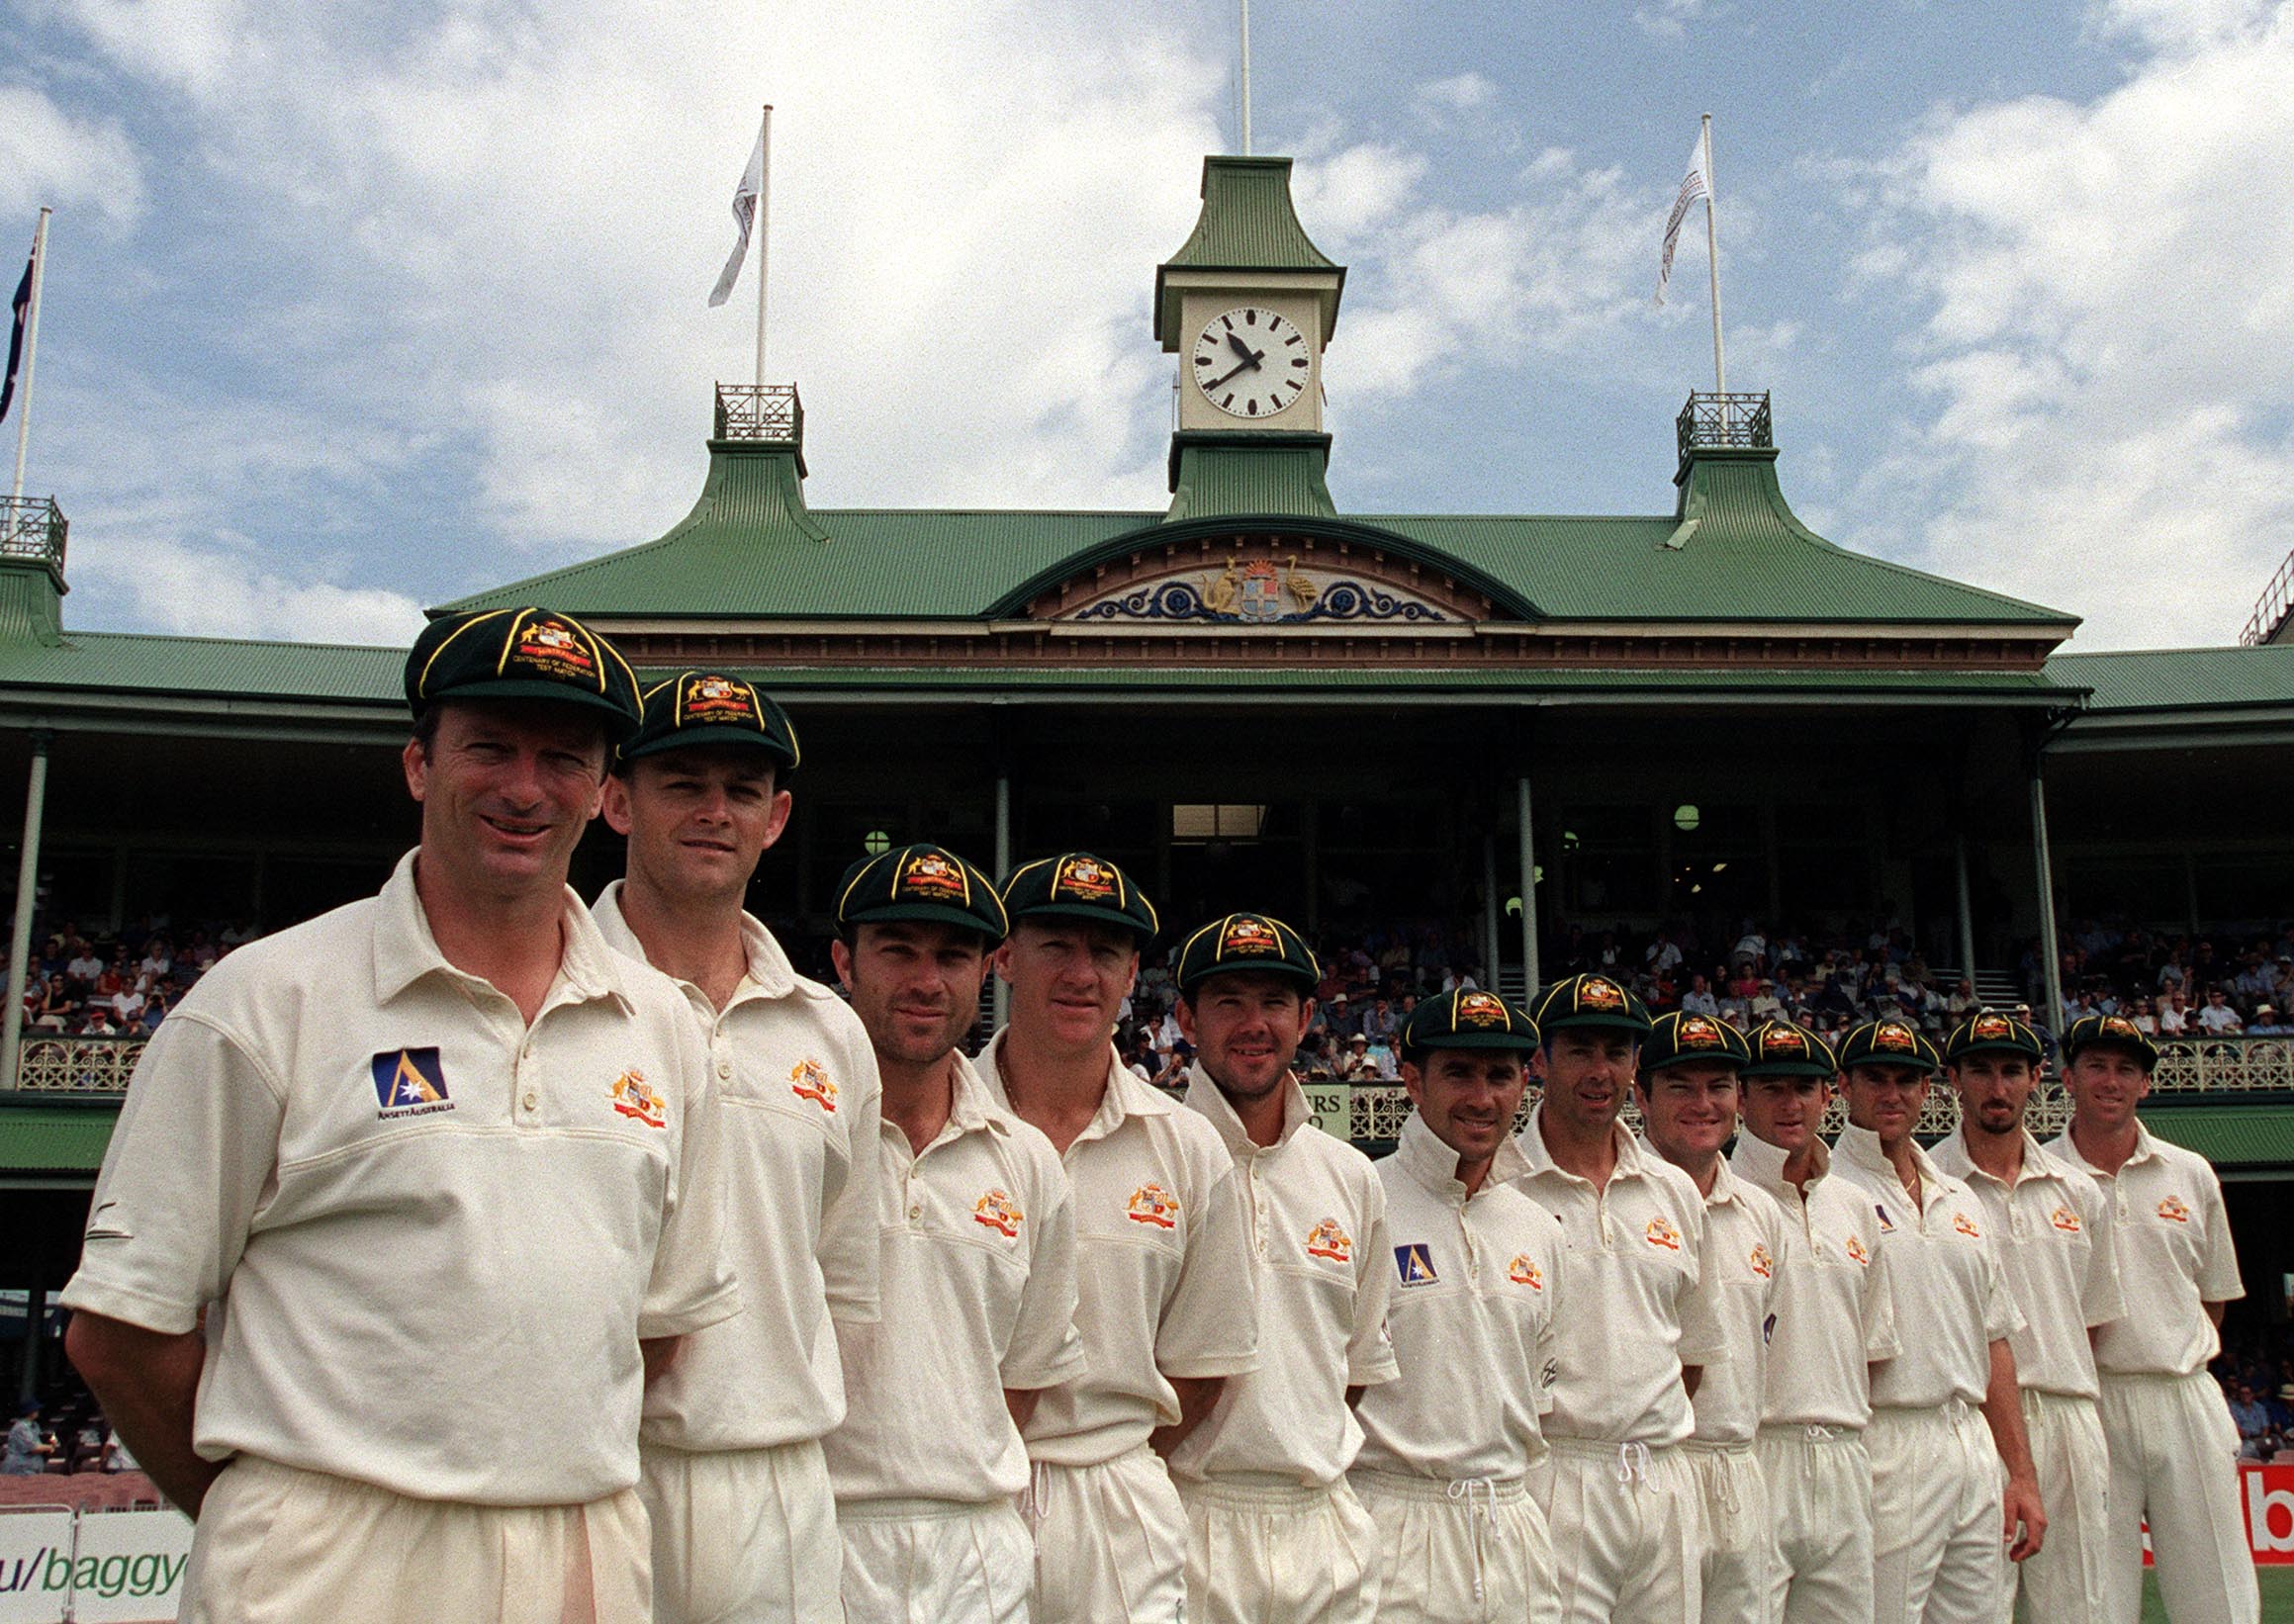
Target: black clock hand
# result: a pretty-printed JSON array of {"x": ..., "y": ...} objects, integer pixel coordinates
[
  {"x": 1250, "y": 359},
  {"x": 1235, "y": 342}
]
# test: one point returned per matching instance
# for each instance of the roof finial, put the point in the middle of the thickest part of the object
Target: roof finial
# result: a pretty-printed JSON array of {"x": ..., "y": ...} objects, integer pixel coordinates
[{"x": 1246, "y": 79}]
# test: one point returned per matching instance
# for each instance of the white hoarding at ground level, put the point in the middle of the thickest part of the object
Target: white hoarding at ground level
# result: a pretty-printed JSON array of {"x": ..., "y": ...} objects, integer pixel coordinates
[
  {"x": 35, "y": 1563},
  {"x": 92, "y": 1567}
]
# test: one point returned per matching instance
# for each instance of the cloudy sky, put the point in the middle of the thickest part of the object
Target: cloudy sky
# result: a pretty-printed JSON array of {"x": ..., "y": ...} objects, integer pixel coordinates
[{"x": 357, "y": 307}]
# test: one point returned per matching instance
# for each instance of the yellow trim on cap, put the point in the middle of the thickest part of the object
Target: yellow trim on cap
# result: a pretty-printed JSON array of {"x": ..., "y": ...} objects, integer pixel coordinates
[{"x": 422, "y": 683}]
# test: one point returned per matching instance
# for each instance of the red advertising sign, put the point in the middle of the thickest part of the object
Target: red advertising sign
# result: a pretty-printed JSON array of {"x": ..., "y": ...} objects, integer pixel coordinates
[{"x": 2267, "y": 1503}]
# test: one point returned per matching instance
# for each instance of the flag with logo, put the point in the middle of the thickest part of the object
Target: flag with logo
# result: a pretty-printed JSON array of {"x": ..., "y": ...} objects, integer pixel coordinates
[
  {"x": 20, "y": 304},
  {"x": 744, "y": 220},
  {"x": 1694, "y": 184}
]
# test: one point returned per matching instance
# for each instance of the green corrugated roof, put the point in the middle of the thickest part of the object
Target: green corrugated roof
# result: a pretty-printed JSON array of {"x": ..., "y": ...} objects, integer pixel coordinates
[
  {"x": 1241, "y": 472},
  {"x": 132, "y": 663},
  {"x": 2181, "y": 678},
  {"x": 1517, "y": 682},
  {"x": 54, "y": 1138},
  {"x": 1248, "y": 222},
  {"x": 2228, "y": 1135}
]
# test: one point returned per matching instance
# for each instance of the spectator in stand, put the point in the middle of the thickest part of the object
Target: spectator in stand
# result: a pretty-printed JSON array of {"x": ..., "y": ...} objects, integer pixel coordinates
[
  {"x": 2173, "y": 1014},
  {"x": 2143, "y": 1015},
  {"x": 2218, "y": 1019},
  {"x": 2249, "y": 1417},
  {"x": 1664, "y": 955},
  {"x": 1765, "y": 1004},
  {"x": 1356, "y": 1065},
  {"x": 98, "y": 1021},
  {"x": 2268, "y": 1023},
  {"x": 1379, "y": 1023},
  {"x": 1698, "y": 999},
  {"x": 1343, "y": 1021},
  {"x": 84, "y": 966},
  {"x": 28, "y": 1447}
]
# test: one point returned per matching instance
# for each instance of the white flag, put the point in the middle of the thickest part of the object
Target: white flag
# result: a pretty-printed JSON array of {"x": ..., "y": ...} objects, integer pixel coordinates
[
  {"x": 745, "y": 218},
  {"x": 1696, "y": 183}
]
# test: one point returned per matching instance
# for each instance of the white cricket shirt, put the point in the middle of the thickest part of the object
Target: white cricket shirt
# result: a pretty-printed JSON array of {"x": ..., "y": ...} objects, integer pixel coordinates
[
  {"x": 429, "y": 1236},
  {"x": 2172, "y": 1240},
  {"x": 1951, "y": 1296},
  {"x": 979, "y": 1250},
  {"x": 1476, "y": 1284},
  {"x": 2052, "y": 1227},
  {"x": 1638, "y": 1307},
  {"x": 1835, "y": 1313},
  {"x": 1744, "y": 1249},
  {"x": 1314, "y": 1215},
  {"x": 1162, "y": 1269},
  {"x": 797, "y": 1077}
]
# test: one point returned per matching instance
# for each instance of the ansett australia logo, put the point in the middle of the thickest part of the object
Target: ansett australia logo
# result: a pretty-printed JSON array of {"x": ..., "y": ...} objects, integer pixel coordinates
[
  {"x": 998, "y": 1212},
  {"x": 1762, "y": 1264},
  {"x": 2173, "y": 1211},
  {"x": 808, "y": 1080},
  {"x": 1152, "y": 1203},
  {"x": 1086, "y": 878},
  {"x": 409, "y": 1082},
  {"x": 929, "y": 875},
  {"x": 637, "y": 1098},
  {"x": 1413, "y": 1265},
  {"x": 2064, "y": 1219},
  {"x": 1523, "y": 1272},
  {"x": 1966, "y": 1226},
  {"x": 1326, "y": 1240},
  {"x": 1662, "y": 1234}
]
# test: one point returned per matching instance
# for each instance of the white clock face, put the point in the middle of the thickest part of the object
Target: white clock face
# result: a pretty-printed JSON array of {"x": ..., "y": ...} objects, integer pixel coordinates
[{"x": 1251, "y": 363}]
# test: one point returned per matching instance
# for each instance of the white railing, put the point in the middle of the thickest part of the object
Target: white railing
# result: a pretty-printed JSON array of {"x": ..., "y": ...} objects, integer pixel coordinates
[{"x": 77, "y": 1065}]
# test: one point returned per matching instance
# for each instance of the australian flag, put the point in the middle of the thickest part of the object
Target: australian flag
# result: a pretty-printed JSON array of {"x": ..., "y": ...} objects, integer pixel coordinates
[{"x": 20, "y": 304}]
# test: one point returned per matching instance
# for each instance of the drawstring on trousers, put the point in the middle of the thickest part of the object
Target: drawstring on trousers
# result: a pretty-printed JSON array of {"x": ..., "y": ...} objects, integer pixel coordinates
[
  {"x": 1633, "y": 1462},
  {"x": 1462, "y": 1488}
]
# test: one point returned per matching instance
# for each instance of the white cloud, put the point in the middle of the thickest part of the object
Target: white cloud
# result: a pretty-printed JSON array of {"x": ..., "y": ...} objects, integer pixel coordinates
[
  {"x": 1460, "y": 92},
  {"x": 48, "y": 156},
  {"x": 2104, "y": 364},
  {"x": 1669, "y": 20}
]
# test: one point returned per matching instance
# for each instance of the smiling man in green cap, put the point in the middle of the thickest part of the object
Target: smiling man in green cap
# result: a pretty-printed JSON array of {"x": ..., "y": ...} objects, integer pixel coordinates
[
  {"x": 744, "y": 1516},
  {"x": 437, "y": 1171},
  {"x": 1272, "y": 1529}
]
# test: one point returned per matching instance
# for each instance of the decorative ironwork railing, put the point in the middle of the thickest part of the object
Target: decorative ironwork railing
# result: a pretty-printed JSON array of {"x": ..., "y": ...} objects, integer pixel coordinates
[
  {"x": 2186, "y": 1065},
  {"x": 1740, "y": 420},
  {"x": 2271, "y": 608},
  {"x": 77, "y": 1065},
  {"x": 758, "y": 412},
  {"x": 32, "y": 527}
]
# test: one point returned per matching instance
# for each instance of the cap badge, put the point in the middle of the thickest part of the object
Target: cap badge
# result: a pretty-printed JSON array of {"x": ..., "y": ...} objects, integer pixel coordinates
[
  {"x": 998, "y": 1212},
  {"x": 1785, "y": 1040},
  {"x": 1249, "y": 936},
  {"x": 1699, "y": 1033},
  {"x": 808, "y": 1080},
  {"x": 634, "y": 1097},
  {"x": 1481, "y": 1009},
  {"x": 1523, "y": 1272},
  {"x": 1087, "y": 878},
  {"x": 1762, "y": 1264},
  {"x": 711, "y": 697},
  {"x": 930, "y": 874},
  {"x": 1326, "y": 1240},
  {"x": 2118, "y": 1025},
  {"x": 1890, "y": 1036},
  {"x": 1597, "y": 994},
  {"x": 1662, "y": 1234},
  {"x": 554, "y": 649},
  {"x": 1152, "y": 1203},
  {"x": 1991, "y": 1025},
  {"x": 2064, "y": 1219},
  {"x": 2173, "y": 1211}
]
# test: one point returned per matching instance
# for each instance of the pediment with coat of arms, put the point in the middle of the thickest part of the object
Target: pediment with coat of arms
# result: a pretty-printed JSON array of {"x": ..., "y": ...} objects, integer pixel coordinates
[{"x": 1251, "y": 584}]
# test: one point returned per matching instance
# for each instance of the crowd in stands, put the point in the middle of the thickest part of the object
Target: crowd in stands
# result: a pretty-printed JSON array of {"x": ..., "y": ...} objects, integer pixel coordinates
[
  {"x": 2208, "y": 984},
  {"x": 81, "y": 983},
  {"x": 66, "y": 1436},
  {"x": 2256, "y": 1373}
]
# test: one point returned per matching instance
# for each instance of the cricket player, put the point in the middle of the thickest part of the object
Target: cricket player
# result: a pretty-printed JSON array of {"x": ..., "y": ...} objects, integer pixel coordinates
[
  {"x": 2173, "y": 1448},
  {"x": 1835, "y": 1319},
  {"x": 1272, "y": 1529},
  {"x": 978, "y": 1262},
  {"x": 1163, "y": 1266},
  {"x": 744, "y": 1518},
  {"x": 436, "y": 1170},
  {"x": 1688, "y": 1094},
  {"x": 1944, "y": 1513},
  {"x": 2052, "y": 1230},
  {"x": 1642, "y": 1321},
  {"x": 1480, "y": 1273}
]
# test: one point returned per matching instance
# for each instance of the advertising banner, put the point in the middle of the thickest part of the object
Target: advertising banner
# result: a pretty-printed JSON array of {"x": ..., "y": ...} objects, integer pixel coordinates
[{"x": 91, "y": 1567}]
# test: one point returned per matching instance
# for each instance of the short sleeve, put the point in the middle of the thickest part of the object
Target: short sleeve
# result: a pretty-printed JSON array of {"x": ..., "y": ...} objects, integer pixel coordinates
[
  {"x": 1045, "y": 1348},
  {"x": 1210, "y": 1322},
  {"x": 2218, "y": 1265},
  {"x": 2001, "y": 1317},
  {"x": 1881, "y": 1343},
  {"x": 849, "y": 1249},
  {"x": 183, "y": 1180},
  {"x": 692, "y": 1285},
  {"x": 1370, "y": 1351}
]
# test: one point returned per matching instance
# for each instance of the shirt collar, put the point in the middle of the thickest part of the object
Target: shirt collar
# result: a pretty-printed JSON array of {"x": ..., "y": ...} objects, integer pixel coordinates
[
  {"x": 1206, "y": 1096},
  {"x": 406, "y": 950},
  {"x": 769, "y": 970},
  {"x": 1761, "y": 1164},
  {"x": 1951, "y": 1154},
  {"x": 1434, "y": 1165},
  {"x": 1125, "y": 1095},
  {"x": 1860, "y": 1147},
  {"x": 2144, "y": 1148},
  {"x": 1531, "y": 1143}
]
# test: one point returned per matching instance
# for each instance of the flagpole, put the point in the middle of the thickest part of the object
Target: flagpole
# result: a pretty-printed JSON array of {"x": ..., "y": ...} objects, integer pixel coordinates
[
  {"x": 1246, "y": 78},
  {"x": 763, "y": 190},
  {"x": 1713, "y": 262},
  {"x": 30, "y": 348}
]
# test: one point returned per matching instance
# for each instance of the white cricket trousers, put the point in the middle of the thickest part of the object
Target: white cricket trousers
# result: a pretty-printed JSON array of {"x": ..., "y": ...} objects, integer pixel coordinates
[
  {"x": 2174, "y": 1461},
  {"x": 1739, "y": 1570},
  {"x": 935, "y": 1562},
  {"x": 1255, "y": 1552},
  {"x": 1820, "y": 1483},
  {"x": 742, "y": 1536},
  {"x": 1473, "y": 1551},
  {"x": 1111, "y": 1542},
  {"x": 1938, "y": 1501},
  {"x": 1627, "y": 1522},
  {"x": 275, "y": 1544},
  {"x": 2069, "y": 1576}
]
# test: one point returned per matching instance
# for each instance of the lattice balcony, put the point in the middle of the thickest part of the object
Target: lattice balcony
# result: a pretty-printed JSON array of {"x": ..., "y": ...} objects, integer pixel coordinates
[
  {"x": 760, "y": 412},
  {"x": 32, "y": 528},
  {"x": 1735, "y": 422},
  {"x": 76, "y": 1065}
]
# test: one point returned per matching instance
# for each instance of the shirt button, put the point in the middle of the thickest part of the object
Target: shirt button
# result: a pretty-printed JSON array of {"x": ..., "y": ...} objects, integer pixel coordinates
[
  {"x": 916, "y": 1212},
  {"x": 531, "y": 1099},
  {"x": 725, "y": 1071}
]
